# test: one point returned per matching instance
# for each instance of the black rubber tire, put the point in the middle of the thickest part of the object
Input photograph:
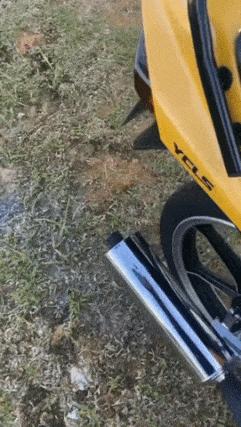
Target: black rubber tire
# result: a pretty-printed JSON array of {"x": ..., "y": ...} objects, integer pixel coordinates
[
  {"x": 231, "y": 391},
  {"x": 189, "y": 201}
]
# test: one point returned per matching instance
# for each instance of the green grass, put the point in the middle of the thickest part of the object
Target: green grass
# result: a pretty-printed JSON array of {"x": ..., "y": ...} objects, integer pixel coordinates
[
  {"x": 77, "y": 304},
  {"x": 19, "y": 272},
  {"x": 53, "y": 71},
  {"x": 7, "y": 417}
]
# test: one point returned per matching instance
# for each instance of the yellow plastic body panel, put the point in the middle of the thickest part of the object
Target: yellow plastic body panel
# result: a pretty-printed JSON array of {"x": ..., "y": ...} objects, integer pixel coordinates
[
  {"x": 180, "y": 104},
  {"x": 226, "y": 19}
]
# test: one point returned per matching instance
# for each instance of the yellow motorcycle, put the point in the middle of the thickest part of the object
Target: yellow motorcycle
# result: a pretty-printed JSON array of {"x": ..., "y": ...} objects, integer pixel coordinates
[{"x": 188, "y": 73}]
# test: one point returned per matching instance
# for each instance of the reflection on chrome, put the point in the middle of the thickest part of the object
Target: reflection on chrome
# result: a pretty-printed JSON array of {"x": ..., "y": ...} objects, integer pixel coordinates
[{"x": 200, "y": 347}]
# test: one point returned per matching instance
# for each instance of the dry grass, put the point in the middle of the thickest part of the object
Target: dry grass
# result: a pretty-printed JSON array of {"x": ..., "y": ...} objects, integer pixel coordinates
[
  {"x": 109, "y": 176},
  {"x": 27, "y": 41}
]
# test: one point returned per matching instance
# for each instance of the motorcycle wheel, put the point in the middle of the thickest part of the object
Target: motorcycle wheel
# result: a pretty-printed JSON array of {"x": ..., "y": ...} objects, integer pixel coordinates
[{"x": 202, "y": 249}]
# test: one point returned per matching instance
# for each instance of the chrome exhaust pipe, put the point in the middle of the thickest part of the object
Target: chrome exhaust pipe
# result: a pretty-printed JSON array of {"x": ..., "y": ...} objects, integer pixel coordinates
[{"x": 195, "y": 341}]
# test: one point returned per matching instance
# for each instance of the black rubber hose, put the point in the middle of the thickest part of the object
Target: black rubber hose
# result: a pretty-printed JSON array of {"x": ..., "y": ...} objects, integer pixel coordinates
[{"x": 231, "y": 390}]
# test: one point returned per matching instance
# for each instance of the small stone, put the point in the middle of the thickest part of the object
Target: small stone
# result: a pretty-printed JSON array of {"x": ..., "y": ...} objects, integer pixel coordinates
[
  {"x": 73, "y": 414},
  {"x": 80, "y": 378}
]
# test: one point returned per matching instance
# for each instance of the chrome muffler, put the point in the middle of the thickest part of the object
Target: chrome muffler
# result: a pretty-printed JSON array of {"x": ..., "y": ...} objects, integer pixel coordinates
[{"x": 195, "y": 340}]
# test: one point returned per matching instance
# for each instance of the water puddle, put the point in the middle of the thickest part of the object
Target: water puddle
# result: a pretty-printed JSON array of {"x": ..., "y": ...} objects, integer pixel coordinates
[{"x": 11, "y": 207}]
